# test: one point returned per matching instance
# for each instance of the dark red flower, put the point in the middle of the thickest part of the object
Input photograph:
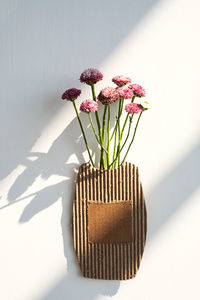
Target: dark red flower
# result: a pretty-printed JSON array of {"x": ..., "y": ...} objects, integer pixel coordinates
[{"x": 71, "y": 94}]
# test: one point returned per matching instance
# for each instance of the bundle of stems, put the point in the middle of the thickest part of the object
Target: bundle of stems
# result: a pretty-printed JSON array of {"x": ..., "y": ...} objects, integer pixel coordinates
[{"x": 120, "y": 140}]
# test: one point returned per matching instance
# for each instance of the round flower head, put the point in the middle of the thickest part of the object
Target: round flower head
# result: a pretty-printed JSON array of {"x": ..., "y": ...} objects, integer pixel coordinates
[
  {"x": 91, "y": 76},
  {"x": 108, "y": 95},
  {"x": 125, "y": 92},
  {"x": 89, "y": 106},
  {"x": 133, "y": 108},
  {"x": 121, "y": 80},
  {"x": 138, "y": 90},
  {"x": 71, "y": 94},
  {"x": 145, "y": 105}
]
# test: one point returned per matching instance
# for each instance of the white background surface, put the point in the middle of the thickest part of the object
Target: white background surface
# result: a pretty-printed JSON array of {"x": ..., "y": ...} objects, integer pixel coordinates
[{"x": 44, "y": 47}]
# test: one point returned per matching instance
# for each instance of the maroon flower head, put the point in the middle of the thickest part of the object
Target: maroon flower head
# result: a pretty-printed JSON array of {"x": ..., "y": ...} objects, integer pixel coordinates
[
  {"x": 91, "y": 76},
  {"x": 71, "y": 94}
]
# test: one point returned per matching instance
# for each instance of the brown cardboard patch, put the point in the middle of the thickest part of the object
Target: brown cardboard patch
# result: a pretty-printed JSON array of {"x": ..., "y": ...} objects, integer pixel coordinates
[{"x": 110, "y": 222}]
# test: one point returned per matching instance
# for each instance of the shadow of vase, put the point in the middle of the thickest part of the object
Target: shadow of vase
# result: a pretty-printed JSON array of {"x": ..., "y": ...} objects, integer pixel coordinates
[{"x": 55, "y": 162}]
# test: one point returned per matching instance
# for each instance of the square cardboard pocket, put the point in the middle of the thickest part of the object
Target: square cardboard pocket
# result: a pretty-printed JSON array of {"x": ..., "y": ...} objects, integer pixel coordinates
[{"x": 110, "y": 222}]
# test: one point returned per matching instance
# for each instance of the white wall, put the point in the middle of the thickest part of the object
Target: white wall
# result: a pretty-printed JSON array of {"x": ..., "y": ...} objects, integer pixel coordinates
[{"x": 44, "y": 47}]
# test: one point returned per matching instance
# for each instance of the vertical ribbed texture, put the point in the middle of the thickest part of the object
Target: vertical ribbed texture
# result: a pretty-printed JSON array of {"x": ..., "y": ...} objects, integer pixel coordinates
[{"x": 117, "y": 261}]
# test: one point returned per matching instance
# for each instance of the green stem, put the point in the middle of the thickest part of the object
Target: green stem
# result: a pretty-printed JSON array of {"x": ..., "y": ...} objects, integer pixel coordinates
[
  {"x": 119, "y": 141},
  {"x": 95, "y": 133},
  {"x": 98, "y": 124},
  {"x": 108, "y": 137},
  {"x": 114, "y": 130},
  {"x": 86, "y": 144},
  {"x": 120, "y": 150},
  {"x": 133, "y": 136},
  {"x": 126, "y": 119},
  {"x": 121, "y": 102},
  {"x": 115, "y": 144},
  {"x": 96, "y": 113},
  {"x": 103, "y": 133}
]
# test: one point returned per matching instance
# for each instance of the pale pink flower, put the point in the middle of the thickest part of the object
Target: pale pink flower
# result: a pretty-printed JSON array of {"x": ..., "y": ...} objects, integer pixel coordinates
[
  {"x": 133, "y": 108},
  {"x": 121, "y": 80},
  {"x": 138, "y": 90},
  {"x": 108, "y": 95},
  {"x": 89, "y": 106},
  {"x": 125, "y": 92}
]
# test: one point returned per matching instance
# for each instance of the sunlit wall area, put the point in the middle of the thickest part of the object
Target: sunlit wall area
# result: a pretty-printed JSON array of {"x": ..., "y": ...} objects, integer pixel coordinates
[{"x": 45, "y": 45}]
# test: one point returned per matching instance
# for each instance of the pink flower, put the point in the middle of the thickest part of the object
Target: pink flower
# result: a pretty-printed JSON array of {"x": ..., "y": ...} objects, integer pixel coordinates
[
  {"x": 108, "y": 95},
  {"x": 125, "y": 92},
  {"x": 121, "y": 80},
  {"x": 133, "y": 108},
  {"x": 138, "y": 90},
  {"x": 89, "y": 106}
]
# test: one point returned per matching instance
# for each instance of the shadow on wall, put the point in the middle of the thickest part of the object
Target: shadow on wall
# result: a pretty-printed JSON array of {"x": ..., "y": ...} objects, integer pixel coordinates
[
  {"x": 46, "y": 164},
  {"x": 46, "y": 41},
  {"x": 173, "y": 190},
  {"x": 52, "y": 43},
  {"x": 164, "y": 200}
]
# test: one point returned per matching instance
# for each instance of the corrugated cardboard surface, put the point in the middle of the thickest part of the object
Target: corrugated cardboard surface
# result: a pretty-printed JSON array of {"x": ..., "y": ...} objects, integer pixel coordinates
[{"x": 101, "y": 252}]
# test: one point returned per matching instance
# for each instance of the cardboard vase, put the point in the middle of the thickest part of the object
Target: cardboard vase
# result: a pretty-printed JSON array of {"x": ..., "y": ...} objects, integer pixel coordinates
[{"x": 109, "y": 222}]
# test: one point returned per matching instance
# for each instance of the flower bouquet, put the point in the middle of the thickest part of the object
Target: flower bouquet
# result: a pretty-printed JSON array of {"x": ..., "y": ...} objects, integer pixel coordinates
[
  {"x": 124, "y": 90},
  {"x": 109, "y": 212}
]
